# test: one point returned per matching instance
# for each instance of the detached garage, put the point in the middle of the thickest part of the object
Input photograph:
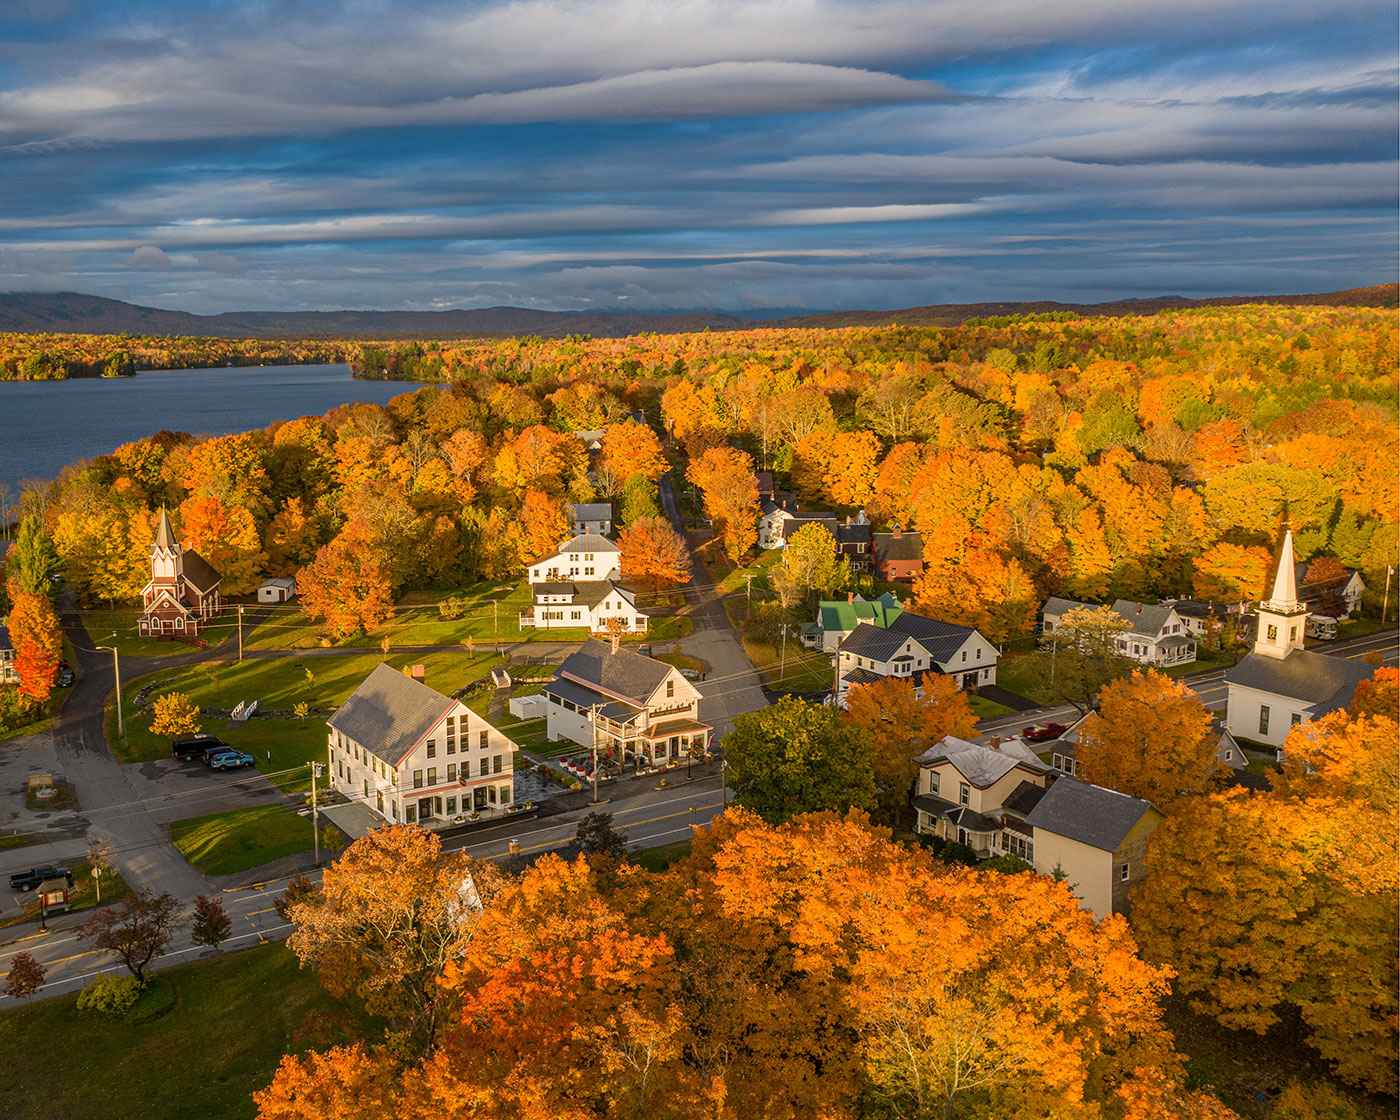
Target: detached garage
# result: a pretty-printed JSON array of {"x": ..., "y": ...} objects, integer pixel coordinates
[{"x": 277, "y": 590}]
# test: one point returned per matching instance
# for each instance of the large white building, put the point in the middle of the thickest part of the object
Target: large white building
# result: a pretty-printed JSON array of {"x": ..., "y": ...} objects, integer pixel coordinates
[
  {"x": 910, "y": 645},
  {"x": 413, "y": 755},
  {"x": 590, "y": 603},
  {"x": 1156, "y": 634},
  {"x": 1281, "y": 684},
  {"x": 587, "y": 556}
]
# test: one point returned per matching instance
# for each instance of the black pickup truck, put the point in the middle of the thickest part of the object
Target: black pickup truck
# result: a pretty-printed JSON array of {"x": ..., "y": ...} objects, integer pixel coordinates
[
  {"x": 28, "y": 880},
  {"x": 197, "y": 746}
]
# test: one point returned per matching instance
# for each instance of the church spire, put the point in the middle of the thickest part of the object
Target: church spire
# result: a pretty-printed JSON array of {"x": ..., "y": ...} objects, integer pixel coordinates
[
  {"x": 1285, "y": 594},
  {"x": 1282, "y": 619},
  {"x": 165, "y": 535}
]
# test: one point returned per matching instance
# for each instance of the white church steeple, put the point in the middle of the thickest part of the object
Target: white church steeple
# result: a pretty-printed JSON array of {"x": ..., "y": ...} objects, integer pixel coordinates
[{"x": 1282, "y": 619}]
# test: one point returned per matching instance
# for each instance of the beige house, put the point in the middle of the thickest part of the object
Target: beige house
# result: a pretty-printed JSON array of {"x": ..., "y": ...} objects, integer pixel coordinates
[
  {"x": 1094, "y": 837},
  {"x": 415, "y": 756},
  {"x": 964, "y": 787}
]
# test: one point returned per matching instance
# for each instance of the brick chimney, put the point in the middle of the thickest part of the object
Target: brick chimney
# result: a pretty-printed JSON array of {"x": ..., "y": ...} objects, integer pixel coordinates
[
  {"x": 995, "y": 744},
  {"x": 419, "y": 673},
  {"x": 850, "y": 596},
  {"x": 1139, "y": 610},
  {"x": 616, "y": 641}
]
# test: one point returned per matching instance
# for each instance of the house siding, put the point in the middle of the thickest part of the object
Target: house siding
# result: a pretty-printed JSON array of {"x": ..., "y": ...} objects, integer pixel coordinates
[
  {"x": 1086, "y": 869},
  {"x": 1243, "y": 708}
]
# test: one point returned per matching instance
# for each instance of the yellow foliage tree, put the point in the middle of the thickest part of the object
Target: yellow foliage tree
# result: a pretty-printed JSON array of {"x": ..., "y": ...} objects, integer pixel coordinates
[{"x": 174, "y": 715}]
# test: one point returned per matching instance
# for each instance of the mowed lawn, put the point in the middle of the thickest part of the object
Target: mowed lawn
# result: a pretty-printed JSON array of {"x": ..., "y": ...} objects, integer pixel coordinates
[
  {"x": 225, "y": 843},
  {"x": 235, "y": 1015},
  {"x": 281, "y": 747},
  {"x": 101, "y": 622}
]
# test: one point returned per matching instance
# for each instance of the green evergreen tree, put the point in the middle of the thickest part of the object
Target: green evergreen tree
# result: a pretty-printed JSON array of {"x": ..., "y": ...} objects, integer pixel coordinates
[
  {"x": 640, "y": 499},
  {"x": 1350, "y": 537},
  {"x": 33, "y": 559}
]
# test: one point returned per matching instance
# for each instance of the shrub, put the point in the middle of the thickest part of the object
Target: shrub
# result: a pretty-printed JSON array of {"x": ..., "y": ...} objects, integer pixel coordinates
[
  {"x": 16, "y": 709},
  {"x": 109, "y": 994},
  {"x": 152, "y": 1001}
]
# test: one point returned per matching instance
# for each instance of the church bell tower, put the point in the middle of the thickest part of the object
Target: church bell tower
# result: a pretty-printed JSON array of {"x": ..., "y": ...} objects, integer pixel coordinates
[{"x": 1282, "y": 619}]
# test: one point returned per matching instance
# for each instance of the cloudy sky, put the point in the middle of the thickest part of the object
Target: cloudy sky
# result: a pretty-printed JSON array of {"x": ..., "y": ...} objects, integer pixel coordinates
[{"x": 218, "y": 155}]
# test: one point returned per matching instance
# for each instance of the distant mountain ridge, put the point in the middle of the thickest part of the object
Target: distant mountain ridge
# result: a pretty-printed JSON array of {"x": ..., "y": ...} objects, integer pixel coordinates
[{"x": 75, "y": 313}]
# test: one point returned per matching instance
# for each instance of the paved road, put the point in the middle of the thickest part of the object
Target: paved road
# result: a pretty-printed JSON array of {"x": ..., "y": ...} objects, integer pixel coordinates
[
  {"x": 647, "y": 815},
  {"x": 1209, "y": 686},
  {"x": 732, "y": 686}
]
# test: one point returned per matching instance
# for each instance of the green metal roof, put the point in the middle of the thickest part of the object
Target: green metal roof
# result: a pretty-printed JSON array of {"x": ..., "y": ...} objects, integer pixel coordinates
[{"x": 843, "y": 616}]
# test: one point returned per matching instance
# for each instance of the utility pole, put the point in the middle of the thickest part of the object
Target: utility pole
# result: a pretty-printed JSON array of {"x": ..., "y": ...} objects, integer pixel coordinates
[
  {"x": 496, "y": 624},
  {"x": 749, "y": 593},
  {"x": 240, "y": 631},
  {"x": 117, "y": 674},
  {"x": 315, "y": 815},
  {"x": 782, "y": 662},
  {"x": 593, "y": 718},
  {"x": 1385, "y": 602}
]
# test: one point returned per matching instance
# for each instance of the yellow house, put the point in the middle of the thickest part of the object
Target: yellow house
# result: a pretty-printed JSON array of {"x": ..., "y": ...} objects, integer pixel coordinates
[
  {"x": 1095, "y": 838},
  {"x": 964, "y": 786}
]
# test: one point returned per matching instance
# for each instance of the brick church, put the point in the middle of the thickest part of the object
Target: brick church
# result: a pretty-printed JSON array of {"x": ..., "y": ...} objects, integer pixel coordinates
[{"x": 183, "y": 594}]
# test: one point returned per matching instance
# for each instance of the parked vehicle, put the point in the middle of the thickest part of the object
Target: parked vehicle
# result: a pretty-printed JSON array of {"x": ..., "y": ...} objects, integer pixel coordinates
[
  {"x": 28, "y": 880},
  {"x": 65, "y": 679},
  {"x": 1042, "y": 732},
  {"x": 227, "y": 760},
  {"x": 196, "y": 746},
  {"x": 1322, "y": 626}
]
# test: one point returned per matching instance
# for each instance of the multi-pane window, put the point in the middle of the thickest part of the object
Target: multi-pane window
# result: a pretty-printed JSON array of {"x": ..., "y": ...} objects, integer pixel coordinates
[
  {"x": 485, "y": 767},
  {"x": 964, "y": 793},
  {"x": 484, "y": 740},
  {"x": 418, "y": 779},
  {"x": 496, "y": 763},
  {"x": 1123, "y": 872},
  {"x": 432, "y": 775},
  {"x": 451, "y": 804},
  {"x": 452, "y": 772},
  {"x": 1263, "y": 719},
  {"x": 451, "y": 734},
  {"x": 432, "y": 748}
]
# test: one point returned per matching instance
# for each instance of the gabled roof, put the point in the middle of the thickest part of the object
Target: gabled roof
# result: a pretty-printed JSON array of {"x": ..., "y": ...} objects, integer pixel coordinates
[
  {"x": 853, "y": 534},
  {"x": 826, "y": 520},
  {"x": 390, "y": 714},
  {"x": 981, "y": 765},
  {"x": 1057, "y": 606},
  {"x": 787, "y": 503},
  {"x": 939, "y": 639},
  {"x": 1092, "y": 815},
  {"x": 1144, "y": 618},
  {"x": 843, "y": 616},
  {"x": 906, "y": 546},
  {"x": 1327, "y": 683},
  {"x": 588, "y": 542},
  {"x": 623, "y": 674},
  {"x": 5, "y": 638},
  {"x": 1301, "y": 575},
  {"x": 198, "y": 573},
  {"x": 1024, "y": 798},
  {"x": 591, "y": 511}
]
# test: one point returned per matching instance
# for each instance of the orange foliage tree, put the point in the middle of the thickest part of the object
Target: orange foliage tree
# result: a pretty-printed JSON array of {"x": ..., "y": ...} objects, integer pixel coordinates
[
  {"x": 347, "y": 584},
  {"x": 1303, "y": 915},
  {"x": 38, "y": 644},
  {"x": 901, "y": 723},
  {"x": 630, "y": 448},
  {"x": 1151, "y": 738},
  {"x": 725, "y": 478},
  {"x": 228, "y": 538},
  {"x": 543, "y": 525},
  {"x": 654, "y": 553}
]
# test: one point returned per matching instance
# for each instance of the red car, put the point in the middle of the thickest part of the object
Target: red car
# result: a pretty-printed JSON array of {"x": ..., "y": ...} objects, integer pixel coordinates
[{"x": 1043, "y": 731}]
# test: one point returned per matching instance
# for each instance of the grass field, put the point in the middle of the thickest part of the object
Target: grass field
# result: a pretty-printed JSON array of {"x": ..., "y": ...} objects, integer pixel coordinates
[
  {"x": 985, "y": 709},
  {"x": 660, "y": 858},
  {"x": 225, "y": 843},
  {"x": 235, "y": 1015},
  {"x": 801, "y": 670},
  {"x": 101, "y": 622},
  {"x": 281, "y": 747}
]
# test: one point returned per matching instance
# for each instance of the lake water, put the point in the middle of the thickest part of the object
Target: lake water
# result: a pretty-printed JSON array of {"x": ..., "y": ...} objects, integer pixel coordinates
[{"x": 45, "y": 425}]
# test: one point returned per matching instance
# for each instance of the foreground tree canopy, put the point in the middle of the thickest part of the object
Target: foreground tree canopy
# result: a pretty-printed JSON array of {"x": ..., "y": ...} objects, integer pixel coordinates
[
  {"x": 1133, "y": 457},
  {"x": 810, "y": 970}
]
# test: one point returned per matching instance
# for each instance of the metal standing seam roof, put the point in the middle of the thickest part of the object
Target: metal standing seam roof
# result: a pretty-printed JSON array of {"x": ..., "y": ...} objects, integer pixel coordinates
[
  {"x": 588, "y": 542},
  {"x": 1092, "y": 815},
  {"x": 981, "y": 766},
  {"x": 390, "y": 714},
  {"x": 198, "y": 573},
  {"x": 1319, "y": 679},
  {"x": 623, "y": 673}
]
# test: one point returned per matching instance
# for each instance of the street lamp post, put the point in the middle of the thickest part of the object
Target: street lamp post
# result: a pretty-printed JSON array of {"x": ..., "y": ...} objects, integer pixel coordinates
[
  {"x": 315, "y": 815},
  {"x": 117, "y": 674}
]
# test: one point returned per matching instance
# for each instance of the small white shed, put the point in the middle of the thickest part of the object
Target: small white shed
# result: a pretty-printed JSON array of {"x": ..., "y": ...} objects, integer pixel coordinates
[{"x": 278, "y": 589}]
